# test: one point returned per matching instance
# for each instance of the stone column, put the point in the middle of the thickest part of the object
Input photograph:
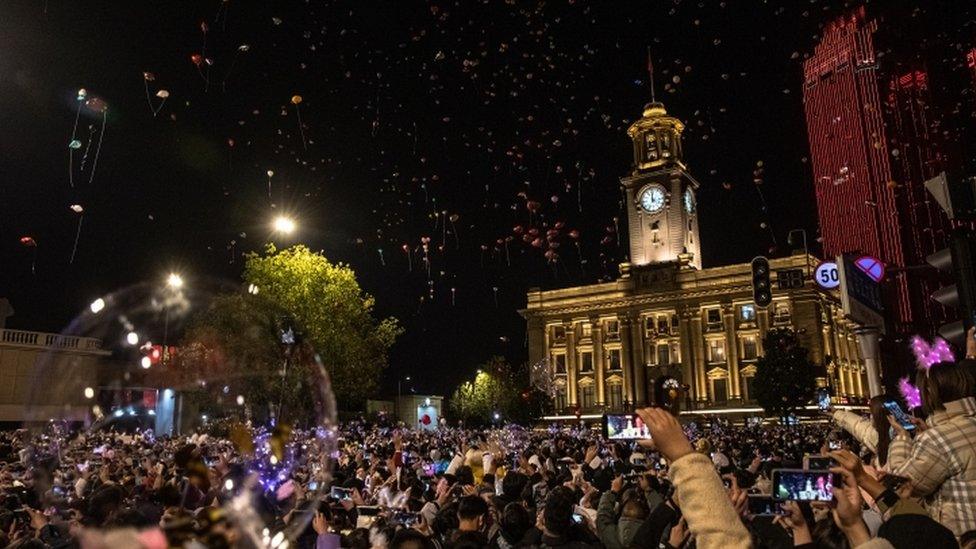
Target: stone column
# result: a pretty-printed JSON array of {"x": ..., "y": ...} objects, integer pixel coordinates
[
  {"x": 698, "y": 348},
  {"x": 599, "y": 361},
  {"x": 762, "y": 321},
  {"x": 571, "y": 377},
  {"x": 686, "y": 348},
  {"x": 731, "y": 351},
  {"x": 537, "y": 337},
  {"x": 806, "y": 313},
  {"x": 626, "y": 356},
  {"x": 637, "y": 351}
]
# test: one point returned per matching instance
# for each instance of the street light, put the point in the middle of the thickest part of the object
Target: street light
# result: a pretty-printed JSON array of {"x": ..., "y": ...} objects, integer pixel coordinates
[
  {"x": 399, "y": 380},
  {"x": 174, "y": 281},
  {"x": 284, "y": 225}
]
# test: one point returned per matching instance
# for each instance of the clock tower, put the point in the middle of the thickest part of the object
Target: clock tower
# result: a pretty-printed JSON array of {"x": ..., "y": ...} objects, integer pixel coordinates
[{"x": 662, "y": 209}]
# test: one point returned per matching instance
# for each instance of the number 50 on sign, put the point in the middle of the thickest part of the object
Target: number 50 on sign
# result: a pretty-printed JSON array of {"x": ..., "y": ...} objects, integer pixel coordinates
[{"x": 826, "y": 275}]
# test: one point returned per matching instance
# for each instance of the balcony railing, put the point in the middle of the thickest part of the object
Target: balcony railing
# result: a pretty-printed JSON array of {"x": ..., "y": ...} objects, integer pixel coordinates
[{"x": 44, "y": 340}]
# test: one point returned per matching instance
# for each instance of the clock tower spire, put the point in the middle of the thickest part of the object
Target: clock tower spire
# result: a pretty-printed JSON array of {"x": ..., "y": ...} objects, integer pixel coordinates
[{"x": 662, "y": 210}]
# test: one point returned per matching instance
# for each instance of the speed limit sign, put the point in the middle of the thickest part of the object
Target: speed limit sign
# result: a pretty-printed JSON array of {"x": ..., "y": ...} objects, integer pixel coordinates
[{"x": 827, "y": 276}]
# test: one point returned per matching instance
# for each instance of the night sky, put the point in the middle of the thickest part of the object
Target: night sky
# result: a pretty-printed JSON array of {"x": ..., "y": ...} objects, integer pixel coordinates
[{"x": 467, "y": 123}]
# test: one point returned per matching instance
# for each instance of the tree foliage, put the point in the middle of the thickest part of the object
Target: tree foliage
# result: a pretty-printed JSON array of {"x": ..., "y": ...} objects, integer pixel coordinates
[
  {"x": 497, "y": 388},
  {"x": 333, "y": 313},
  {"x": 233, "y": 349},
  {"x": 785, "y": 379}
]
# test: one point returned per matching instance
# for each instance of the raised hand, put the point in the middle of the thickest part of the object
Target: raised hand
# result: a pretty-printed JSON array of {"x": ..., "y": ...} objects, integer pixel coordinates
[
  {"x": 666, "y": 433},
  {"x": 319, "y": 523}
]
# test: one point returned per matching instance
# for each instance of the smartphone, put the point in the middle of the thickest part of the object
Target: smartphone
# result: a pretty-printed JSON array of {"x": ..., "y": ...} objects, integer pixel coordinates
[
  {"x": 823, "y": 399},
  {"x": 408, "y": 520},
  {"x": 764, "y": 506},
  {"x": 833, "y": 444},
  {"x": 368, "y": 510},
  {"x": 801, "y": 485},
  {"x": 577, "y": 518},
  {"x": 820, "y": 463},
  {"x": 624, "y": 427},
  {"x": 341, "y": 494},
  {"x": 366, "y": 516},
  {"x": 900, "y": 416}
]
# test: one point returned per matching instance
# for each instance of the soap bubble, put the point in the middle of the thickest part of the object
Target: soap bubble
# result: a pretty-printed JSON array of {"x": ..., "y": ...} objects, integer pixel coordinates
[{"x": 235, "y": 411}]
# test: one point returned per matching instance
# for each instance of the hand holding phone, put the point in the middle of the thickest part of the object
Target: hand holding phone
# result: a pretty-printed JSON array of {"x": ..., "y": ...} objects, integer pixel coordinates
[
  {"x": 625, "y": 427},
  {"x": 800, "y": 485},
  {"x": 900, "y": 416},
  {"x": 764, "y": 506}
]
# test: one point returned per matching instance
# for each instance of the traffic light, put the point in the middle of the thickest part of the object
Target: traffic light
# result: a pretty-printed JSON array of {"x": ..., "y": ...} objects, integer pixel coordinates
[
  {"x": 761, "y": 290},
  {"x": 957, "y": 260}
]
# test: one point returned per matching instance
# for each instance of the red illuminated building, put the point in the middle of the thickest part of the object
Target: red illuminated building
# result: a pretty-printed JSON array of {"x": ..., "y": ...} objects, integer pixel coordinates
[
  {"x": 871, "y": 153},
  {"x": 971, "y": 63}
]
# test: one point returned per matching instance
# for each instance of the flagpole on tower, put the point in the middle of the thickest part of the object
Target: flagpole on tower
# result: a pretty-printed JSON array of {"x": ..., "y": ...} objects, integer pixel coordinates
[{"x": 650, "y": 73}]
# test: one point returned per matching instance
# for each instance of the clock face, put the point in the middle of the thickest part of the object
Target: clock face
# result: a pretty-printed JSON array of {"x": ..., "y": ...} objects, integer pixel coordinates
[
  {"x": 652, "y": 199},
  {"x": 689, "y": 200}
]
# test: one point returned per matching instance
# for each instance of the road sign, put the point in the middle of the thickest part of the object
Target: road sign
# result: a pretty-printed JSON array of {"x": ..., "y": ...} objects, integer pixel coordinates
[
  {"x": 871, "y": 266},
  {"x": 860, "y": 294},
  {"x": 826, "y": 275},
  {"x": 789, "y": 279}
]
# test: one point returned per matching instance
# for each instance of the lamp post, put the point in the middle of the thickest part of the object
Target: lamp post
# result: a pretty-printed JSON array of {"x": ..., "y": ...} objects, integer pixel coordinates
[
  {"x": 174, "y": 282},
  {"x": 400, "y": 379}
]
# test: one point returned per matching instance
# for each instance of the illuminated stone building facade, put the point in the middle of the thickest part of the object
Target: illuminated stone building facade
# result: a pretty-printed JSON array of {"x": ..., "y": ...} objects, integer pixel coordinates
[{"x": 608, "y": 345}]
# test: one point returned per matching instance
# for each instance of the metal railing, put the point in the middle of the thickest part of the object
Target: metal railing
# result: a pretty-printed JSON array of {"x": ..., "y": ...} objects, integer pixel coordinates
[{"x": 46, "y": 340}]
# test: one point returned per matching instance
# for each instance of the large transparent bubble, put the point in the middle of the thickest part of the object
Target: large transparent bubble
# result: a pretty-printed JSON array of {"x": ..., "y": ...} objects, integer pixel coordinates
[{"x": 191, "y": 404}]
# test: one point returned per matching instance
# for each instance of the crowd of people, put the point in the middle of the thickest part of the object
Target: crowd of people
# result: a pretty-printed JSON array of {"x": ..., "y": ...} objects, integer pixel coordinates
[{"x": 705, "y": 484}]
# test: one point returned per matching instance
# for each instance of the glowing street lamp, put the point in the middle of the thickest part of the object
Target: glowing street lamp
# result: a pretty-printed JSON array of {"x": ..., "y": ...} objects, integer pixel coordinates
[
  {"x": 174, "y": 281},
  {"x": 284, "y": 225}
]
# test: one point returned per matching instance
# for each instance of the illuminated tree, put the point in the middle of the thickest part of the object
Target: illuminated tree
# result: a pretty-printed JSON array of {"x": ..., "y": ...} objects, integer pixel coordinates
[
  {"x": 497, "y": 388},
  {"x": 785, "y": 378},
  {"x": 321, "y": 307},
  {"x": 334, "y": 314}
]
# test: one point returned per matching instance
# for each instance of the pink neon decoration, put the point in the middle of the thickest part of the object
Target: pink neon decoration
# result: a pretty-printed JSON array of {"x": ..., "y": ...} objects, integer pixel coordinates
[
  {"x": 926, "y": 355},
  {"x": 910, "y": 393}
]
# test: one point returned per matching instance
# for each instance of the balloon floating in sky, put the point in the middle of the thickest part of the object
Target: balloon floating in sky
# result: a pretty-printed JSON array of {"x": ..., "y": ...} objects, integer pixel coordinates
[
  {"x": 29, "y": 242},
  {"x": 97, "y": 105},
  {"x": 197, "y": 59},
  {"x": 161, "y": 94},
  {"x": 295, "y": 100},
  {"x": 82, "y": 94},
  {"x": 74, "y": 144},
  {"x": 77, "y": 208}
]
